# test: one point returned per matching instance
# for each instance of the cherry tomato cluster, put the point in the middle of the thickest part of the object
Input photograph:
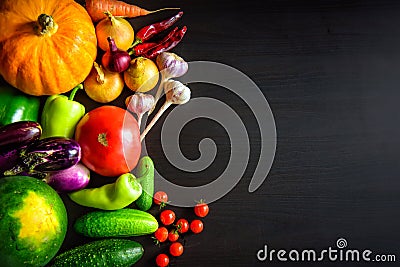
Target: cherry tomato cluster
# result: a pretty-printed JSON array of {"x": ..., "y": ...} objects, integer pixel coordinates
[{"x": 179, "y": 227}]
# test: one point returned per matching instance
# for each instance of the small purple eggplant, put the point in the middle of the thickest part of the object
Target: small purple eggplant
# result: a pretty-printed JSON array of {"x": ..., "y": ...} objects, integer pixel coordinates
[
  {"x": 18, "y": 134},
  {"x": 72, "y": 179},
  {"x": 48, "y": 154}
]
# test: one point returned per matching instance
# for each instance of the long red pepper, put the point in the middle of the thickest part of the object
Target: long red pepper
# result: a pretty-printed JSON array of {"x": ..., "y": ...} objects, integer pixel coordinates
[
  {"x": 149, "y": 31},
  {"x": 140, "y": 49},
  {"x": 167, "y": 45}
]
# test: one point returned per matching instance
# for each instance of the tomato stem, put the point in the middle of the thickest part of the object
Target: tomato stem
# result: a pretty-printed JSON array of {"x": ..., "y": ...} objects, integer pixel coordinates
[{"x": 102, "y": 138}]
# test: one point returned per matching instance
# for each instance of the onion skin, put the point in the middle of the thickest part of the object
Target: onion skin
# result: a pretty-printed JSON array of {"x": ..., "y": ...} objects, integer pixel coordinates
[
  {"x": 142, "y": 75},
  {"x": 102, "y": 85},
  {"x": 116, "y": 27},
  {"x": 72, "y": 179}
]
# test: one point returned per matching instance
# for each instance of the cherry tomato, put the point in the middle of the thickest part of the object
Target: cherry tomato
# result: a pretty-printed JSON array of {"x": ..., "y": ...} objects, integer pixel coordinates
[
  {"x": 173, "y": 235},
  {"x": 196, "y": 226},
  {"x": 110, "y": 140},
  {"x": 167, "y": 217},
  {"x": 182, "y": 226},
  {"x": 162, "y": 260},
  {"x": 161, "y": 234},
  {"x": 201, "y": 209},
  {"x": 176, "y": 249},
  {"x": 160, "y": 198}
]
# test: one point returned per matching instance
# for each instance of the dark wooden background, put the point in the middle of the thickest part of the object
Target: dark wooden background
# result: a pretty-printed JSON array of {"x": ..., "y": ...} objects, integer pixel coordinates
[{"x": 331, "y": 73}]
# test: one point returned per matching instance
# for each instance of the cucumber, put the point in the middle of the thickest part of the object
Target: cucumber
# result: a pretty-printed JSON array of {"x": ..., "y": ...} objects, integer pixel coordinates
[
  {"x": 107, "y": 252},
  {"x": 145, "y": 174},
  {"x": 117, "y": 223}
]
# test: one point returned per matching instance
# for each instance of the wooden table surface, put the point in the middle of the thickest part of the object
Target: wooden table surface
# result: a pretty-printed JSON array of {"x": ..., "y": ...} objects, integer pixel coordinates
[{"x": 330, "y": 71}]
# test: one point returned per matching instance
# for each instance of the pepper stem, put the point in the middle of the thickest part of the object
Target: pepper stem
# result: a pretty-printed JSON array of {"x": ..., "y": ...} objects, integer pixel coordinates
[
  {"x": 136, "y": 42},
  {"x": 73, "y": 92}
]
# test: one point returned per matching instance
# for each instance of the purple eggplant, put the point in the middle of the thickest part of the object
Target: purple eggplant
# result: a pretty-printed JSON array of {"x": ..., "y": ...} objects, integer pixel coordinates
[
  {"x": 48, "y": 154},
  {"x": 18, "y": 134},
  {"x": 8, "y": 159},
  {"x": 72, "y": 179}
]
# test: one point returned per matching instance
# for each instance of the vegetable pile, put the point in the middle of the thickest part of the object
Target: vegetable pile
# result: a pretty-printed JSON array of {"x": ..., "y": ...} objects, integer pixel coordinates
[{"x": 54, "y": 51}]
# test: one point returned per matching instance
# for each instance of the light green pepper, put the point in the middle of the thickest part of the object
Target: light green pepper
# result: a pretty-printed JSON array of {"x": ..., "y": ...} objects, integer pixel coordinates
[
  {"x": 61, "y": 114},
  {"x": 118, "y": 195}
]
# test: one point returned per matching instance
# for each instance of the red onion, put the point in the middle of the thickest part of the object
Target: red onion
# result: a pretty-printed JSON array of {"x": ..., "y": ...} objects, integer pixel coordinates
[{"x": 115, "y": 59}]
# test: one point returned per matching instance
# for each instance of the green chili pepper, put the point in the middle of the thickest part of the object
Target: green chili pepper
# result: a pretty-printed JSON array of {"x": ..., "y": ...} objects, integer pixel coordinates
[
  {"x": 17, "y": 106},
  {"x": 118, "y": 195},
  {"x": 61, "y": 114}
]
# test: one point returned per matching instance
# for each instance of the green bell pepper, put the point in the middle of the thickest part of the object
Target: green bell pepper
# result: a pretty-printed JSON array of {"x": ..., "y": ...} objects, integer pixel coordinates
[
  {"x": 17, "y": 106},
  {"x": 61, "y": 114}
]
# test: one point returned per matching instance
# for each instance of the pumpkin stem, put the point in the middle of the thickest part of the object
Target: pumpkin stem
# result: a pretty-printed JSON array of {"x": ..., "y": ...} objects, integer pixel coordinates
[{"x": 46, "y": 25}]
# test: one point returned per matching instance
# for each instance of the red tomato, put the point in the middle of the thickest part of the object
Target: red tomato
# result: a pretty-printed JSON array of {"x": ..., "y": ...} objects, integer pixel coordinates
[
  {"x": 167, "y": 217},
  {"x": 196, "y": 226},
  {"x": 201, "y": 209},
  {"x": 176, "y": 249},
  {"x": 110, "y": 140},
  {"x": 162, "y": 260},
  {"x": 161, "y": 234},
  {"x": 160, "y": 198},
  {"x": 182, "y": 226},
  {"x": 173, "y": 235}
]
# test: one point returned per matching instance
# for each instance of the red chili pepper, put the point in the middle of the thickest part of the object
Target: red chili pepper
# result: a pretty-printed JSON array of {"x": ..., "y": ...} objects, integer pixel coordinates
[
  {"x": 149, "y": 31},
  {"x": 167, "y": 45},
  {"x": 140, "y": 49}
]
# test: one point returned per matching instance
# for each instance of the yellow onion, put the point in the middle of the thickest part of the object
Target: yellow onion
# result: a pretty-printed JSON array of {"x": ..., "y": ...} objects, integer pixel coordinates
[
  {"x": 142, "y": 75},
  {"x": 116, "y": 27},
  {"x": 103, "y": 86}
]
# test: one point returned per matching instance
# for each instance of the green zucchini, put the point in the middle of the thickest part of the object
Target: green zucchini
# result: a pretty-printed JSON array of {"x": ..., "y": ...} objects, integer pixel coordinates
[
  {"x": 145, "y": 174},
  {"x": 107, "y": 252},
  {"x": 117, "y": 223}
]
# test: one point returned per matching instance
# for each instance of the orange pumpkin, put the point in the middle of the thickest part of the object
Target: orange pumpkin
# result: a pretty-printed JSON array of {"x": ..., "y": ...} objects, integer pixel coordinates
[{"x": 46, "y": 47}]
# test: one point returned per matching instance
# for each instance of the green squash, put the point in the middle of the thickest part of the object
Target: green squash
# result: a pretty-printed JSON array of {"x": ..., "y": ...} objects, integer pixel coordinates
[{"x": 33, "y": 222}]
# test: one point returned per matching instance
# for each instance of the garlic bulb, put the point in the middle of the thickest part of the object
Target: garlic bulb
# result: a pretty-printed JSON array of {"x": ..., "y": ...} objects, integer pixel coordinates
[
  {"x": 171, "y": 65},
  {"x": 176, "y": 92},
  {"x": 139, "y": 104}
]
